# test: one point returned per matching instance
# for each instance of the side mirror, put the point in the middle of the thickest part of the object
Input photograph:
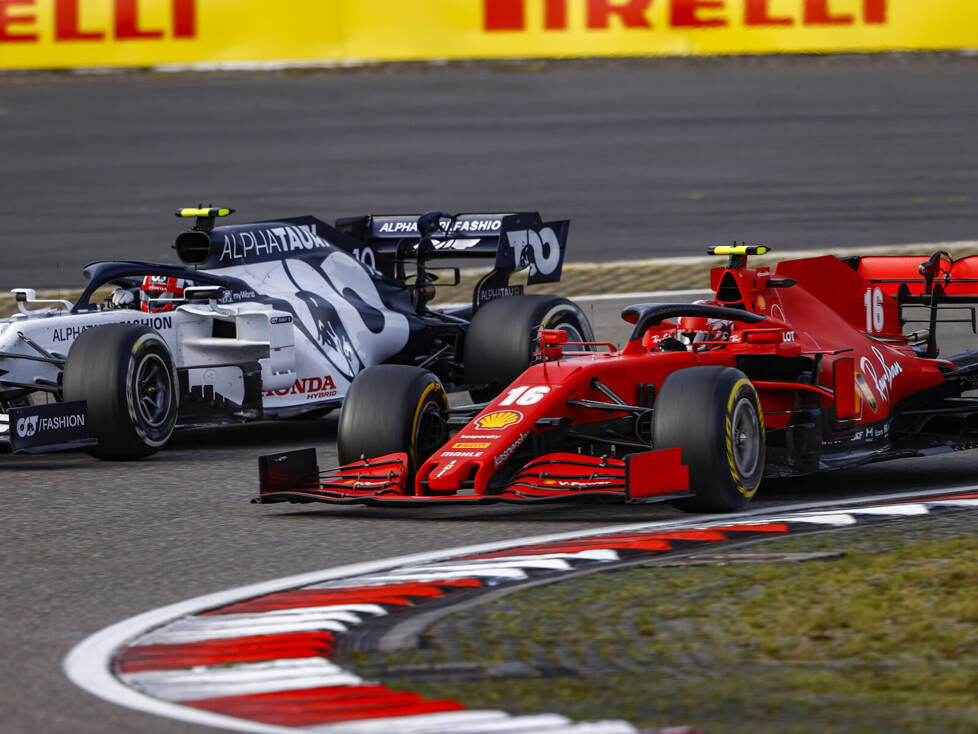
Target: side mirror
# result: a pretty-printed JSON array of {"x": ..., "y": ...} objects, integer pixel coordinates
[
  {"x": 551, "y": 343},
  {"x": 29, "y": 295}
]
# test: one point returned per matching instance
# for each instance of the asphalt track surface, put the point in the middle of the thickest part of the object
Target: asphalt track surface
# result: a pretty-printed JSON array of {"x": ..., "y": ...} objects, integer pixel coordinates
[
  {"x": 85, "y": 544},
  {"x": 822, "y": 151},
  {"x": 648, "y": 158}
]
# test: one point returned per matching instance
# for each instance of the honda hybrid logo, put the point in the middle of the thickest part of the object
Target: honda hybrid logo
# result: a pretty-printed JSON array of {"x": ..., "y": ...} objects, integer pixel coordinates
[{"x": 27, "y": 427}]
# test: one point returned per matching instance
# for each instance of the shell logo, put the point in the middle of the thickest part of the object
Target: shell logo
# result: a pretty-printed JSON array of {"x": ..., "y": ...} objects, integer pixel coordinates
[{"x": 499, "y": 419}]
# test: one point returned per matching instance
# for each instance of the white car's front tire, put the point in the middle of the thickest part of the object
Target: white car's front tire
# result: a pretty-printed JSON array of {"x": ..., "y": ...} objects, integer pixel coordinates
[{"x": 126, "y": 375}]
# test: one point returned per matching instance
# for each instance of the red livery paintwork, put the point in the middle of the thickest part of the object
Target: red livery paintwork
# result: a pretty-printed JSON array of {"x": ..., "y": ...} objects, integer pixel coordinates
[{"x": 820, "y": 364}]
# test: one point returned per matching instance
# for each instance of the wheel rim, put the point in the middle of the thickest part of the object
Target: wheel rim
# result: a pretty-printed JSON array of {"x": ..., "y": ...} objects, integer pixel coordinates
[
  {"x": 430, "y": 433},
  {"x": 154, "y": 391},
  {"x": 746, "y": 437}
]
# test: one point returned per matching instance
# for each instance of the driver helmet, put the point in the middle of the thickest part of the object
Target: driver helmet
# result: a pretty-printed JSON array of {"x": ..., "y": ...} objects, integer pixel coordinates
[
  {"x": 703, "y": 328},
  {"x": 694, "y": 328},
  {"x": 157, "y": 289}
]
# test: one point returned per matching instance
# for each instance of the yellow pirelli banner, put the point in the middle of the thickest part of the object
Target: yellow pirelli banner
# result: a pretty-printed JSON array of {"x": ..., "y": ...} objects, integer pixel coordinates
[{"x": 140, "y": 33}]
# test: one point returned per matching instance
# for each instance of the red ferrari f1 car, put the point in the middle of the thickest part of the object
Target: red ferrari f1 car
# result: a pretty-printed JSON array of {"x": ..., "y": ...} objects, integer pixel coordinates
[{"x": 781, "y": 374}]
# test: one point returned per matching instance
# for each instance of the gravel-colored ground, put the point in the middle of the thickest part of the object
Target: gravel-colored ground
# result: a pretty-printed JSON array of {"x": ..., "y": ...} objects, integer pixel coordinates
[
  {"x": 681, "y": 273},
  {"x": 883, "y": 638},
  {"x": 623, "y": 276}
]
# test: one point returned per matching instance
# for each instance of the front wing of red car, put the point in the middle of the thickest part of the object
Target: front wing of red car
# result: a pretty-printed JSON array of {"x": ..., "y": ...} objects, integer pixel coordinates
[{"x": 650, "y": 476}]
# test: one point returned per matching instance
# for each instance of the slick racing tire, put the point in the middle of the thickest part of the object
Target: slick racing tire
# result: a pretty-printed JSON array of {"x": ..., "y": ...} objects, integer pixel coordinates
[
  {"x": 503, "y": 337},
  {"x": 713, "y": 414},
  {"x": 126, "y": 375},
  {"x": 392, "y": 408}
]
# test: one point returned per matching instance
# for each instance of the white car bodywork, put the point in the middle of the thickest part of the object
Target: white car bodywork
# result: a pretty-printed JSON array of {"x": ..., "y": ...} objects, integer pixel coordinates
[
  {"x": 300, "y": 369},
  {"x": 279, "y": 317}
]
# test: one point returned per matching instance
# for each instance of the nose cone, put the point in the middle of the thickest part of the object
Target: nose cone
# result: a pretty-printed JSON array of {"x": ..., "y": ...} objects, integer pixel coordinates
[
  {"x": 448, "y": 473},
  {"x": 478, "y": 445}
]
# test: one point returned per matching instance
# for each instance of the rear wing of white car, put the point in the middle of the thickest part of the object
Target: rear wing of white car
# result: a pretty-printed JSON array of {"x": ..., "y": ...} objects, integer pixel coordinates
[{"x": 513, "y": 241}]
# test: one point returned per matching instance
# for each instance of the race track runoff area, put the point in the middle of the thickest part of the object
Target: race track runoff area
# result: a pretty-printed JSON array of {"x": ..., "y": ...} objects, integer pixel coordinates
[{"x": 259, "y": 658}]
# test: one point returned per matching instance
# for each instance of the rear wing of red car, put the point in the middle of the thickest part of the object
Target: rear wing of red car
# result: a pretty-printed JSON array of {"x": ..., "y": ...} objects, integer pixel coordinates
[
  {"x": 920, "y": 274},
  {"x": 945, "y": 286}
]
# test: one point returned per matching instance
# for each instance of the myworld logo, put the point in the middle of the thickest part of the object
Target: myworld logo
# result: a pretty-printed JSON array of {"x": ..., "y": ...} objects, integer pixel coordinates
[{"x": 560, "y": 15}]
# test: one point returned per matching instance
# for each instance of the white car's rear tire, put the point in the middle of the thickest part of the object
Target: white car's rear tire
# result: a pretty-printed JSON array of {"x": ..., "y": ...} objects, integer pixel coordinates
[{"x": 503, "y": 336}]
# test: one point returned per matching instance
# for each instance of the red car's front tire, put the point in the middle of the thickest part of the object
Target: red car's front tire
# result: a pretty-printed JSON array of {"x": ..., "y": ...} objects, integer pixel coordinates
[{"x": 714, "y": 415}]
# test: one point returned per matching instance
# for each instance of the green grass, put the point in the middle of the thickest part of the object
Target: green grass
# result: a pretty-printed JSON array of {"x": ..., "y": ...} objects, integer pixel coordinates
[{"x": 883, "y": 639}]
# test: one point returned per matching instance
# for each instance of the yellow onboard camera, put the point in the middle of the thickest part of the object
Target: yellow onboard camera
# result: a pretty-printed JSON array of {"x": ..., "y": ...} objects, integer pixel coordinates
[
  {"x": 739, "y": 250},
  {"x": 205, "y": 216}
]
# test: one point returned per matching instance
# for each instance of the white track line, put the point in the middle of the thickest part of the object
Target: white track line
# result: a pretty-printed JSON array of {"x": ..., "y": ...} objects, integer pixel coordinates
[{"x": 87, "y": 665}]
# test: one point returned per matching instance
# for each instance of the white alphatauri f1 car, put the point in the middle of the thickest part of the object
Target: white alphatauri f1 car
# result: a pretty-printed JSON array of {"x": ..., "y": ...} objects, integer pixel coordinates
[{"x": 271, "y": 320}]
